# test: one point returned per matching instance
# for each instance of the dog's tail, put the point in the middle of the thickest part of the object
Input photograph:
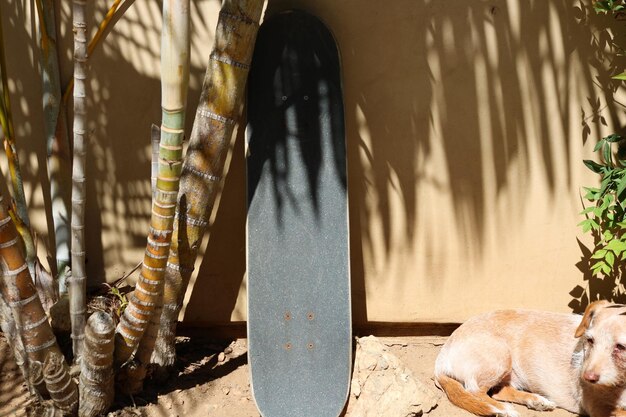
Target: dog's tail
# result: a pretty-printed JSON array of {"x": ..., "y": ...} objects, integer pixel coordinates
[{"x": 476, "y": 403}]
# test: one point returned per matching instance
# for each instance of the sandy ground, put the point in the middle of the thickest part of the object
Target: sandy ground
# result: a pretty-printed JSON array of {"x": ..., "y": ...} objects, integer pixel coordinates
[{"x": 213, "y": 380}]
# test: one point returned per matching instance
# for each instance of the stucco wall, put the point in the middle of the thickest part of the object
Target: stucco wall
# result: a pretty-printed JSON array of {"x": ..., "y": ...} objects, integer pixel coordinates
[{"x": 466, "y": 121}]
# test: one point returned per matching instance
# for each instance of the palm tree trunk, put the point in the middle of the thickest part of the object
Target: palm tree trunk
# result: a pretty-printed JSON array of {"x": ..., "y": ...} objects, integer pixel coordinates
[
  {"x": 78, "y": 281},
  {"x": 218, "y": 111},
  {"x": 20, "y": 294},
  {"x": 174, "y": 82}
]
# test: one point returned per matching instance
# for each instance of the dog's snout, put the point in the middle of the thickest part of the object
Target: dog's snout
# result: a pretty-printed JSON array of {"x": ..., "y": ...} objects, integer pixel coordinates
[{"x": 591, "y": 377}]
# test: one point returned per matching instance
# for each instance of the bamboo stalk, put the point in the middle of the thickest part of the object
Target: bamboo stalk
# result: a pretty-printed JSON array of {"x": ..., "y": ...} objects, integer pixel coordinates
[
  {"x": 61, "y": 386},
  {"x": 57, "y": 142},
  {"x": 110, "y": 18},
  {"x": 96, "y": 368},
  {"x": 20, "y": 294},
  {"x": 13, "y": 338},
  {"x": 174, "y": 82},
  {"x": 216, "y": 115},
  {"x": 78, "y": 281},
  {"x": 134, "y": 374},
  {"x": 17, "y": 184}
]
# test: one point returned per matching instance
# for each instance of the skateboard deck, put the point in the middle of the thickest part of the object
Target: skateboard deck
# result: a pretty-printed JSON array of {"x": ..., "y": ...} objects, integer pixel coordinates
[{"x": 299, "y": 319}]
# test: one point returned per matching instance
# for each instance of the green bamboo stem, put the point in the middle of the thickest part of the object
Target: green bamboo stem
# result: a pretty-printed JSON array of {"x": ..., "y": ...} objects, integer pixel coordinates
[
  {"x": 216, "y": 115},
  {"x": 78, "y": 281},
  {"x": 174, "y": 82},
  {"x": 57, "y": 142}
]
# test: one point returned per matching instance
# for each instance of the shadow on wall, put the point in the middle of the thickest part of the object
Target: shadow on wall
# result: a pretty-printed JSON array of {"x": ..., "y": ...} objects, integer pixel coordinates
[{"x": 479, "y": 86}]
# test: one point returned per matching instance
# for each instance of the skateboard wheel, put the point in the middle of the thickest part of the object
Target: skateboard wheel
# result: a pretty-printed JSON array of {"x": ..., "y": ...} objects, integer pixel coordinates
[
  {"x": 310, "y": 316},
  {"x": 288, "y": 346}
]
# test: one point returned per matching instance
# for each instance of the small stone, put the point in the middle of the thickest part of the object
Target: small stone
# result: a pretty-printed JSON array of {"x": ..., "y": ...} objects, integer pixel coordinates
[
  {"x": 228, "y": 350},
  {"x": 221, "y": 357},
  {"x": 225, "y": 390}
]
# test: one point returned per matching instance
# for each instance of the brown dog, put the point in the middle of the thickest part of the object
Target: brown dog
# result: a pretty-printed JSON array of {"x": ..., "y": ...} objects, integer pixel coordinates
[{"x": 539, "y": 359}]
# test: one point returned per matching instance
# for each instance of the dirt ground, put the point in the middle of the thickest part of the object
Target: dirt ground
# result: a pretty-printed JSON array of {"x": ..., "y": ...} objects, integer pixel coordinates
[{"x": 213, "y": 379}]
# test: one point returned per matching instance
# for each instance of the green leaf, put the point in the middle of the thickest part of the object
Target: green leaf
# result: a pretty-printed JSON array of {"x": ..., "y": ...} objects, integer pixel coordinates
[
  {"x": 586, "y": 225},
  {"x": 592, "y": 193},
  {"x": 606, "y": 152},
  {"x": 599, "y": 145},
  {"x": 594, "y": 166},
  {"x": 598, "y": 211},
  {"x": 599, "y": 254},
  {"x": 608, "y": 235},
  {"x": 621, "y": 187},
  {"x": 614, "y": 137},
  {"x": 597, "y": 268},
  {"x": 588, "y": 210},
  {"x": 610, "y": 258},
  {"x": 616, "y": 246},
  {"x": 621, "y": 76},
  {"x": 606, "y": 270},
  {"x": 594, "y": 224},
  {"x": 607, "y": 182}
]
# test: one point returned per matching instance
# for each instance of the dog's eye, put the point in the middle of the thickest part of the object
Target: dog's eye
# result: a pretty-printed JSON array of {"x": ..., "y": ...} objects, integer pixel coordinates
[
  {"x": 620, "y": 348},
  {"x": 590, "y": 341}
]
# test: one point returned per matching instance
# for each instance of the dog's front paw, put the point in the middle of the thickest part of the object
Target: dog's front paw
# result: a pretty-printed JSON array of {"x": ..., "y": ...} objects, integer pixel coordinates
[{"x": 540, "y": 403}]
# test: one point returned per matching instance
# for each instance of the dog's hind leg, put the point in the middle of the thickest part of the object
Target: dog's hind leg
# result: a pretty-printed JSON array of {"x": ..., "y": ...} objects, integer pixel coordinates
[{"x": 533, "y": 401}]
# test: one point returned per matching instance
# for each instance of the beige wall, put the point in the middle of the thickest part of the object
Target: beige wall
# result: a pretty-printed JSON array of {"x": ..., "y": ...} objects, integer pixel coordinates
[{"x": 464, "y": 123}]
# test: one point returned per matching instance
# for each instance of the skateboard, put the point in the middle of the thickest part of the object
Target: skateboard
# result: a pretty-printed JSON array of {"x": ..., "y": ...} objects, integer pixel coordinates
[{"x": 299, "y": 318}]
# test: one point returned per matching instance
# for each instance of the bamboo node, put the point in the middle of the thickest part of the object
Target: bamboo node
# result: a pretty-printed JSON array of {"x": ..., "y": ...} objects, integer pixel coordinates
[
  {"x": 201, "y": 174},
  {"x": 239, "y": 17},
  {"x": 10, "y": 242},
  {"x": 205, "y": 113},
  {"x": 148, "y": 281},
  {"x": 228, "y": 61},
  {"x": 163, "y": 216},
  {"x": 153, "y": 269},
  {"x": 23, "y": 302},
  {"x": 14, "y": 272},
  {"x": 154, "y": 256},
  {"x": 38, "y": 348},
  {"x": 180, "y": 268},
  {"x": 156, "y": 243},
  {"x": 142, "y": 303},
  {"x": 38, "y": 323},
  {"x": 147, "y": 292},
  {"x": 126, "y": 336}
]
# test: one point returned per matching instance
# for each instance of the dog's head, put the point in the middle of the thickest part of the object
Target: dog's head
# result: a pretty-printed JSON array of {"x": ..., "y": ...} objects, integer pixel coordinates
[{"x": 603, "y": 332}]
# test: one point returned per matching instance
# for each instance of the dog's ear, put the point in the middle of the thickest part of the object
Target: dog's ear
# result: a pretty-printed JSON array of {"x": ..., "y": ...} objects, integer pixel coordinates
[{"x": 588, "y": 316}]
